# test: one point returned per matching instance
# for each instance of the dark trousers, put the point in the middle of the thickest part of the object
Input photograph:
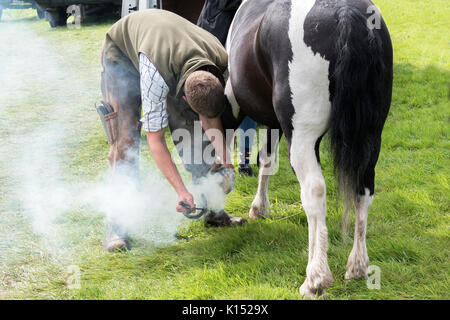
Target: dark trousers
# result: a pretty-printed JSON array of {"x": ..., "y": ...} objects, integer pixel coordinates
[{"x": 216, "y": 17}]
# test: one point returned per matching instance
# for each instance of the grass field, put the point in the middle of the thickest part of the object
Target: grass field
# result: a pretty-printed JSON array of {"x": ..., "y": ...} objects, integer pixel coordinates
[{"x": 408, "y": 234}]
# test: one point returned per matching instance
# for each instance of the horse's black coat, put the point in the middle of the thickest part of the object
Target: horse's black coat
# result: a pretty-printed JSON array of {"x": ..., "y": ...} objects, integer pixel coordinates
[
  {"x": 268, "y": 63},
  {"x": 360, "y": 85},
  {"x": 360, "y": 75}
]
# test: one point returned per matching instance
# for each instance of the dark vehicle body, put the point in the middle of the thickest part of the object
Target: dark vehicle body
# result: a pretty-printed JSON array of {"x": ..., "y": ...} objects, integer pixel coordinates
[
  {"x": 56, "y": 11},
  {"x": 187, "y": 9}
]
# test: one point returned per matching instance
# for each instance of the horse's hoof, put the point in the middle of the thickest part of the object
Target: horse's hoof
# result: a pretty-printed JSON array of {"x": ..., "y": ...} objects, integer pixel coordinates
[
  {"x": 308, "y": 293},
  {"x": 222, "y": 219},
  {"x": 116, "y": 239},
  {"x": 357, "y": 267},
  {"x": 258, "y": 212},
  {"x": 356, "y": 273},
  {"x": 228, "y": 176},
  {"x": 318, "y": 278},
  {"x": 119, "y": 245}
]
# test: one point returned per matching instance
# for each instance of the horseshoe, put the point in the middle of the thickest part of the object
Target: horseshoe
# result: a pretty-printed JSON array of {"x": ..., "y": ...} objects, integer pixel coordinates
[{"x": 189, "y": 215}]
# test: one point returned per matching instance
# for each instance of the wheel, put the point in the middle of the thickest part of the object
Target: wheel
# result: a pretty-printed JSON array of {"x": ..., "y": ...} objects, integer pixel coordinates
[{"x": 56, "y": 17}]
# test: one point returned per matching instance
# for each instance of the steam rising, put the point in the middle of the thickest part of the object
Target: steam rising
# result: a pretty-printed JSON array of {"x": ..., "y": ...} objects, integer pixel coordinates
[{"x": 46, "y": 117}]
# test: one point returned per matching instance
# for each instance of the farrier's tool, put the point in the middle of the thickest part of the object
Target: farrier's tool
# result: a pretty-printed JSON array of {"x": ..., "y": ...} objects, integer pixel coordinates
[
  {"x": 109, "y": 120},
  {"x": 189, "y": 209}
]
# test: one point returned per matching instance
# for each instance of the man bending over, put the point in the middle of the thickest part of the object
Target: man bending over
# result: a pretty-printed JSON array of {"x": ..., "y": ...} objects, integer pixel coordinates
[{"x": 151, "y": 57}]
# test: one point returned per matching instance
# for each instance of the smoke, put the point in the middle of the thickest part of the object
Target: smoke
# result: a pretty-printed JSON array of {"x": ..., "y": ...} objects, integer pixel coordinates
[
  {"x": 46, "y": 117},
  {"x": 210, "y": 187}
]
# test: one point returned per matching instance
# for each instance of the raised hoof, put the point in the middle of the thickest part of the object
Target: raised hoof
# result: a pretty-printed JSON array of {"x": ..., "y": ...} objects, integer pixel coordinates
[
  {"x": 119, "y": 245},
  {"x": 223, "y": 219},
  {"x": 116, "y": 239},
  {"x": 228, "y": 176}
]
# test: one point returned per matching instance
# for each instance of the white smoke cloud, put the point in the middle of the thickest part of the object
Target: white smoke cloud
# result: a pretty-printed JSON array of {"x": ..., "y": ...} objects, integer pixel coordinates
[{"x": 45, "y": 111}]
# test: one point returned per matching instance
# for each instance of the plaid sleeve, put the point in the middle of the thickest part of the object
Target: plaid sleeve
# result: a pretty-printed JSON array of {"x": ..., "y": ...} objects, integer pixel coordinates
[{"x": 154, "y": 92}]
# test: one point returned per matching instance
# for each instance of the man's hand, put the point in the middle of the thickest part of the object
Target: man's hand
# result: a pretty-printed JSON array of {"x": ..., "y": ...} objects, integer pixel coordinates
[{"x": 187, "y": 198}]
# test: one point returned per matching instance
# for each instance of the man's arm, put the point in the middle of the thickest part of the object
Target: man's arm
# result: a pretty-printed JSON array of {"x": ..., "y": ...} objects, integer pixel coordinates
[
  {"x": 158, "y": 148},
  {"x": 220, "y": 145}
]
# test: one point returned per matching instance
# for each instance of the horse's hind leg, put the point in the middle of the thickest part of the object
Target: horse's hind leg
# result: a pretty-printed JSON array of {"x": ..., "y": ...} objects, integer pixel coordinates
[
  {"x": 313, "y": 196},
  {"x": 304, "y": 122},
  {"x": 267, "y": 160},
  {"x": 303, "y": 142},
  {"x": 358, "y": 260}
]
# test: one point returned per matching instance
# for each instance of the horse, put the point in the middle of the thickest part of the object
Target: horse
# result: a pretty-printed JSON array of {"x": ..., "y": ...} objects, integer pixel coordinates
[{"x": 307, "y": 68}]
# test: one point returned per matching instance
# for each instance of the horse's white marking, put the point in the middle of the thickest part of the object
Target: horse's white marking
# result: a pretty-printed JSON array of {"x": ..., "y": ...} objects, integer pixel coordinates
[
  {"x": 235, "y": 108},
  {"x": 358, "y": 260},
  {"x": 229, "y": 88},
  {"x": 308, "y": 80}
]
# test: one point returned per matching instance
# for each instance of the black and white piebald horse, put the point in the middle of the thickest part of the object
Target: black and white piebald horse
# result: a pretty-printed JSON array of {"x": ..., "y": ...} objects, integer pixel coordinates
[{"x": 308, "y": 67}]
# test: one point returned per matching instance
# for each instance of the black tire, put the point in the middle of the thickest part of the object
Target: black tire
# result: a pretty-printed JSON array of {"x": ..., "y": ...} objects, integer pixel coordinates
[{"x": 57, "y": 17}]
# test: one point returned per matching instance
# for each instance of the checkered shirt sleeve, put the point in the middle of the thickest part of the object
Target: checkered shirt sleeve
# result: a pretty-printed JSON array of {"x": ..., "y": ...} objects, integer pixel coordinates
[{"x": 154, "y": 96}]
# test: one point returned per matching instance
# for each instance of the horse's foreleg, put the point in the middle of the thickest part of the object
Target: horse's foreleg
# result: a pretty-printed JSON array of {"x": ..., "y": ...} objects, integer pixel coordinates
[
  {"x": 260, "y": 205},
  {"x": 267, "y": 160}
]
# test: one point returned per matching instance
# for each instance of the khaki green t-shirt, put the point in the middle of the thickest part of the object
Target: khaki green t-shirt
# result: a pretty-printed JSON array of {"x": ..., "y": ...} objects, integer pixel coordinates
[{"x": 175, "y": 46}]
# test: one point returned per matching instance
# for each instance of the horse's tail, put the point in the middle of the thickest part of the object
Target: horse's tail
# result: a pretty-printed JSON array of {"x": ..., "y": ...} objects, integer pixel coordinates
[{"x": 356, "y": 113}]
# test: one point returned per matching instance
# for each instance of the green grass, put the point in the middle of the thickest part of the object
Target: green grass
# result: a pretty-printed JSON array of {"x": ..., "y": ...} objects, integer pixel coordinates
[{"x": 408, "y": 233}]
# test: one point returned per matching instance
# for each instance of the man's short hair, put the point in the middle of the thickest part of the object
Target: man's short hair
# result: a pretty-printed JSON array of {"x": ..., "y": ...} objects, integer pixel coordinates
[{"x": 205, "y": 94}]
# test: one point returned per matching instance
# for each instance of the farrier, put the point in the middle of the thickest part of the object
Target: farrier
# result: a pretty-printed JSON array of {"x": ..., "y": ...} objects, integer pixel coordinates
[{"x": 151, "y": 57}]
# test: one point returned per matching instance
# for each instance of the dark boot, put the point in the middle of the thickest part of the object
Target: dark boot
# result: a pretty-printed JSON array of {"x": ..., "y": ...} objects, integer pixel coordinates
[
  {"x": 222, "y": 219},
  {"x": 245, "y": 170}
]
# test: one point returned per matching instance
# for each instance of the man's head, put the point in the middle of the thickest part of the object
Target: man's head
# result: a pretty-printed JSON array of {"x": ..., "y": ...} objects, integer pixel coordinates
[{"x": 205, "y": 94}]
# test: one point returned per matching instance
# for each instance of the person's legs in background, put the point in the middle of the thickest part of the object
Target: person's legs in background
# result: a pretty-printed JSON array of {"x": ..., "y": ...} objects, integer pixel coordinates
[{"x": 246, "y": 135}]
